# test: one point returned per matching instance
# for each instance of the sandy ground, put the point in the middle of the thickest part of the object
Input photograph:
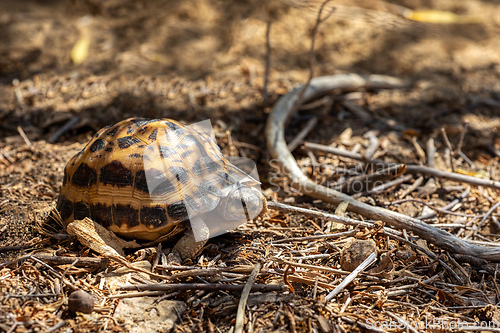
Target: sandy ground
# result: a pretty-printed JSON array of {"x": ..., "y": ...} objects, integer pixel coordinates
[{"x": 196, "y": 60}]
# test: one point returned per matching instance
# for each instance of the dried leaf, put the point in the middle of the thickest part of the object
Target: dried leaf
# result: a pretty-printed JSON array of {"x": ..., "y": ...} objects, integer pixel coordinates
[
  {"x": 80, "y": 50},
  {"x": 448, "y": 298},
  {"x": 441, "y": 17},
  {"x": 385, "y": 267},
  {"x": 53, "y": 307}
]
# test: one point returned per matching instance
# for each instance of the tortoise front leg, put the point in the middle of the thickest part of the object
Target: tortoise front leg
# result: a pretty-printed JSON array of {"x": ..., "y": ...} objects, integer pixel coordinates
[{"x": 189, "y": 245}]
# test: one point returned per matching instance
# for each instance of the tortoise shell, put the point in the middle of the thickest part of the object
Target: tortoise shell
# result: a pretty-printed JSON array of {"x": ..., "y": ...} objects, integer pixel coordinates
[{"x": 141, "y": 178}]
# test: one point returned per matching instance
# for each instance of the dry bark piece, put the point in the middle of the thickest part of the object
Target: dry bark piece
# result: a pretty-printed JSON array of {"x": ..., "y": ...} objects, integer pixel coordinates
[
  {"x": 80, "y": 301},
  {"x": 98, "y": 238}
]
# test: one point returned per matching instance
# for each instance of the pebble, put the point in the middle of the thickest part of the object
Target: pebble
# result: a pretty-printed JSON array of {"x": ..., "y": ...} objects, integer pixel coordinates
[{"x": 80, "y": 301}]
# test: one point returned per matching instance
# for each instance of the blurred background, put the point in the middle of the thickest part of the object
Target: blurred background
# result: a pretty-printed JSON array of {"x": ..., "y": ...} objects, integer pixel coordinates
[{"x": 71, "y": 66}]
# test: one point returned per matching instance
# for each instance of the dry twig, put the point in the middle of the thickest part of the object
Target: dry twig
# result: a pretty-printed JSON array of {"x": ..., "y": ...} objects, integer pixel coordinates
[
  {"x": 410, "y": 168},
  {"x": 82, "y": 261},
  {"x": 25, "y": 137},
  {"x": 265, "y": 93},
  {"x": 319, "y": 20},
  {"x": 349, "y": 278},
  {"x": 202, "y": 286},
  {"x": 302, "y": 134},
  {"x": 240, "y": 315},
  {"x": 275, "y": 134}
]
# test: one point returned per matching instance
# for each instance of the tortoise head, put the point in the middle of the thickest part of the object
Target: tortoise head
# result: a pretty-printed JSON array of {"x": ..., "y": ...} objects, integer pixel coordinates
[{"x": 243, "y": 203}]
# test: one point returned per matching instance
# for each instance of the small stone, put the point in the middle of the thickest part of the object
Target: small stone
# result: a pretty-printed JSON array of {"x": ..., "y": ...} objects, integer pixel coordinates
[
  {"x": 80, "y": 301},
  {"x": 355, "y": 251}
]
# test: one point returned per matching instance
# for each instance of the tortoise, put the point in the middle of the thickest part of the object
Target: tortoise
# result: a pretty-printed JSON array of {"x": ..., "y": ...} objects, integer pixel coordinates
[{"x": 146, "y": 179}]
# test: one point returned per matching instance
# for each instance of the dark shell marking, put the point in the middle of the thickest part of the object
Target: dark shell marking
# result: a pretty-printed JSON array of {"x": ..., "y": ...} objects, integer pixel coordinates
[
  {"x": 97, "y": 145},
  {"x": 108, "y": 180},
  {"x": 116, "y": 174}
]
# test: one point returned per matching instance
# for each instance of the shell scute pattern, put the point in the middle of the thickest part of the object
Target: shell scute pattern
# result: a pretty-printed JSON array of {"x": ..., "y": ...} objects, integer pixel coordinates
[{"x": 140, "y": 177}]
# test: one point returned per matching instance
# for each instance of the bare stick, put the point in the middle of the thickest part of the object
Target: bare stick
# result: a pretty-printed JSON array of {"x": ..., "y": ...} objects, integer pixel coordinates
[
  {"x": 137, "y": 269},
  {"x": 240, "y": 315},
  {"x": 410, "y": 168},
  {"x": 408, "y": 326},
  {"x": 448, "y": 206},
  {"x": 450, "y": 148},
  {"x": 431, "y": 150},
  {"x": 268, "y": 61},
  {"x": 201, "y": 286},
  {"x": 373, "y": 146},
  {"x": 385, "y": 186},
  {"x": 157, "y": 257},
  {"x": 82, "y": 261},
  {"x": 493, "y": 150},
  {"x": 138, "y": 294},
  {"x": 364, "y": 265},
  {"x": 366, "y": 181},
  {"x": 326, "y": 269},
  {"x": 358, "y": 111},
  {"x": 322, "y": 215},
  {"x": 309, "y": 281},
  {"x": 461, "y": 140},
  {"x": 420, "y": 152},
  {"x": 14, "y": 248},
  {"x": 6, "y": 156},
  {"x": 319, "y": 20},
  {"x": 25, "y": 137},
  {"x": 385, "y": 231},
  {"x": 275, "y": 135},
  {"x": 66, "y": 127},
  {"x": 195, "y": 272},
  {"x": 302, "y": 134},
  {"x": 13, "y": 261},
  {"x": 412, "y": 187},
  {"x": 316, "y": 237},
  {"x": 488, "y": 213}
]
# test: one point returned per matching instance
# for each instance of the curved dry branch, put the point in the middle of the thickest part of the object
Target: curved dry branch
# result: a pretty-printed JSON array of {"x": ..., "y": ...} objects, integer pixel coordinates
[{"x": 275, "y": 135}]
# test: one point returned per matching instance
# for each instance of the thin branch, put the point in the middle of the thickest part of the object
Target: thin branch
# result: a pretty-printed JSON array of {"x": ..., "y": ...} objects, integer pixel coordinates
[
  {"x": 265, "y": 94},
  {"x": 240, "y": 315},
  {"x": 431, "y": 150},
  {"x": 302, "y": 134},
  {"x": 201, "y": 286},
  {"x": 275, "y": 135},
  {"x": 488, "y": 213},
  {"x": 25, "y": 137},
  {"x": 349, "y": 278},
  {"x": 373, "y": 145},
  {"x": 461, "y": 140},
  {"x": 410, "y": 168},
  {"x": 326, "y": 269},
  {"x": 450, "y": 148},
  {"x": 319, "y": 214},
  {"x": 384, "y": 231},
  {"x": 82, "y": 261},
  {"x": 412, "y": 187},
  {"x": 314, "y": 32}
]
